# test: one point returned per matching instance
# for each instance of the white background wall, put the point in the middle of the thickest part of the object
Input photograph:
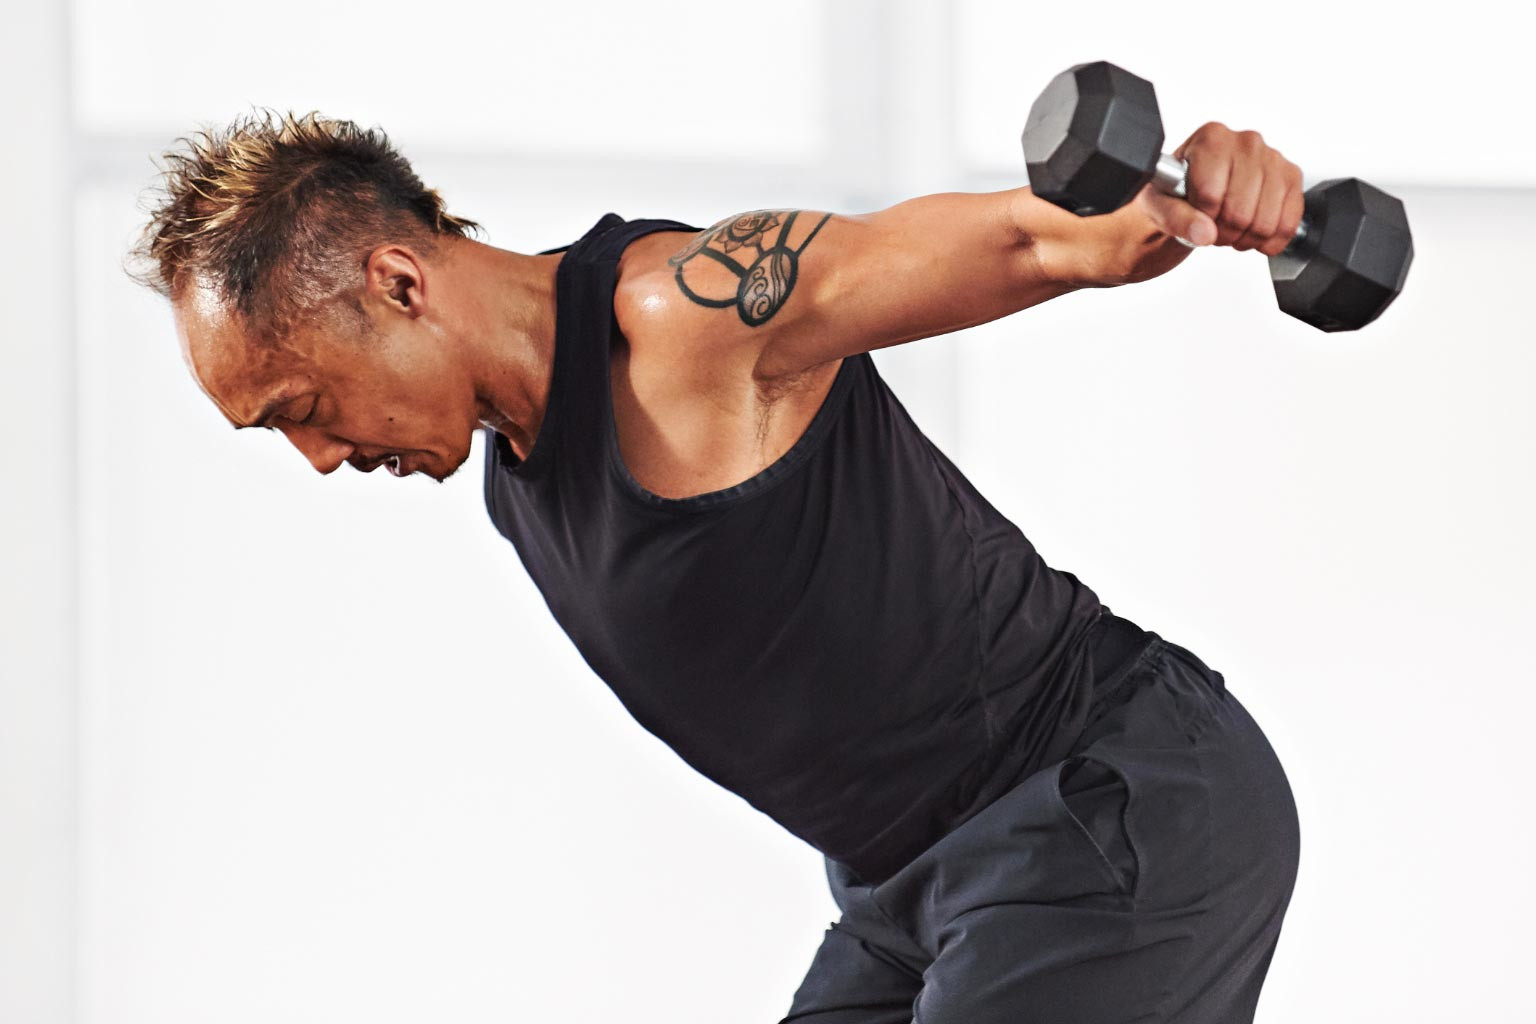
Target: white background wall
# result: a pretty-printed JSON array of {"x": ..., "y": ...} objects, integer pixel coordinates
[{"x": 406, "y": 797}]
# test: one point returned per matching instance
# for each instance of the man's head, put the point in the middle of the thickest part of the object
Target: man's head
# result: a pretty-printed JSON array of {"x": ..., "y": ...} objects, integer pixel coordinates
[{"x": 303, "y": 259}]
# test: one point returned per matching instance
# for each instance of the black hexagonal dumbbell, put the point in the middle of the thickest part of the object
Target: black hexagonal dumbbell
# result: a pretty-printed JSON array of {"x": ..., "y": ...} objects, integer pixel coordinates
[{"x": 1094, "y": 139}]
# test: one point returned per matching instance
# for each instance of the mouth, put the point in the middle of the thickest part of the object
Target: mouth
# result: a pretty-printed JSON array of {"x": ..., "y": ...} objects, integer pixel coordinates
[{"x": 393, "y": 461}]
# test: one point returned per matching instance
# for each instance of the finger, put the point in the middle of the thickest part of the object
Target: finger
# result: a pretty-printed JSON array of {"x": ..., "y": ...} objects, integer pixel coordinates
[
  {"x": 1175, "y": 217},
  {"x": 1295, "y": 209},
  {"x": 1278, "y": 239},
  {"x": 1206, "y": 180},
  {"x": 1241, "y": 200},
  {"x": 1266, "y": 218},
  {"x": 1197, "y": 136}
]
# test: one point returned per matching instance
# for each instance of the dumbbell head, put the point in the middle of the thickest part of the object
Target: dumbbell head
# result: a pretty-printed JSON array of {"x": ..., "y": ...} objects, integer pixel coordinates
[
  {"x": 1093, "y": 138},
  {"x": 1352, "y": 261}
]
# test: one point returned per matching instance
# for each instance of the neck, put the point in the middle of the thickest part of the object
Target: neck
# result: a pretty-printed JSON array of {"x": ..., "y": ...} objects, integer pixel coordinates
[{"x": 514, "y": 333}]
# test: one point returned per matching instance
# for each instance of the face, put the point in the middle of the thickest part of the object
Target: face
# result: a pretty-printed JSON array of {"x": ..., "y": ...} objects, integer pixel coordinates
[{"x": 387, "y": 388}]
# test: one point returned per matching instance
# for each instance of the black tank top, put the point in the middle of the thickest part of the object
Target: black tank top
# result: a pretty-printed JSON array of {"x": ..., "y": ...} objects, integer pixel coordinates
[{"x": 853, "y": 640}]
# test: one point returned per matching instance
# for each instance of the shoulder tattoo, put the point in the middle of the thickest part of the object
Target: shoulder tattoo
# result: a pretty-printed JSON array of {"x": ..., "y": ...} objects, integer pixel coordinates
[{"x": 765, "y": 273}]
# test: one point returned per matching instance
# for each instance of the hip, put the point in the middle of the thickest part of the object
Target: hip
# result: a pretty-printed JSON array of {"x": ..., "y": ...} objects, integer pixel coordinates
[{"x": 1169, "y": 800}]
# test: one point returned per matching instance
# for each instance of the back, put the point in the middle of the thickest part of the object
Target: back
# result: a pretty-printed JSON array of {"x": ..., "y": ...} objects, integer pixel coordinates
[{"x": 853, "y": 640}]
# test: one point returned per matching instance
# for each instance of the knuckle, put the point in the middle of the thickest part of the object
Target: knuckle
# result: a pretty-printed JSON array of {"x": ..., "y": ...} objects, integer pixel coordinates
[
  {"x": 1236, "y": 216},
  {"x": 1207, "y": 203},
  {"x": 1201, "y": 195}
]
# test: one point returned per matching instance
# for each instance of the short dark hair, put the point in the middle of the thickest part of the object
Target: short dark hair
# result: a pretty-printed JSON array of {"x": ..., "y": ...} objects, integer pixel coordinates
[{"x": 278, "y": 214}]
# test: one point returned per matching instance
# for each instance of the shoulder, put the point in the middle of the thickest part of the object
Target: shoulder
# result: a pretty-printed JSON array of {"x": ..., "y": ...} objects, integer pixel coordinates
[
  {"x": 659, "y": 324},
  {"x": 727, "y": 294},
  {"x": 663, "y": 325}
]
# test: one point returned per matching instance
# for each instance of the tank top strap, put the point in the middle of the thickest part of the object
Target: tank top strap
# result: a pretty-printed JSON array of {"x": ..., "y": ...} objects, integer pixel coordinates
[
  {"x": 607, "y": 239},
  {"x": 580, "y": 392}
]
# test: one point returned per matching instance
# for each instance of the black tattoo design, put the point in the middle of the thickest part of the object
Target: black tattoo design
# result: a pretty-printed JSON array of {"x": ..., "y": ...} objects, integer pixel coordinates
[{"x": 764, "y": 283}]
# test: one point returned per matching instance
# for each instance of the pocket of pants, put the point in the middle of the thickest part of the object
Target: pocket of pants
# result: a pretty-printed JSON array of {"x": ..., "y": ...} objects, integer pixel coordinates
[{"x": 1095, "y": 799}]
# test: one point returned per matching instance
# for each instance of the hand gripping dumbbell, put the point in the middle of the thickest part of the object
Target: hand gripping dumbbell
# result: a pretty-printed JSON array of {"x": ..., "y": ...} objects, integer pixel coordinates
[{"x": 1094, "y": 139}]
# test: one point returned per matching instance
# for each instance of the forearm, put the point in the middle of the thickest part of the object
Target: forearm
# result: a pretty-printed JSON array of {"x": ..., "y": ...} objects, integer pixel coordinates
[
  {"x": 1101, "y": 251},
  {"x": 1061, "y": 242}
]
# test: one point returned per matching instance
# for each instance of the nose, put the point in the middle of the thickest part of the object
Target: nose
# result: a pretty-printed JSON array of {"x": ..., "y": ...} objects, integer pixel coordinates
[{"x": 325, "y": 452}]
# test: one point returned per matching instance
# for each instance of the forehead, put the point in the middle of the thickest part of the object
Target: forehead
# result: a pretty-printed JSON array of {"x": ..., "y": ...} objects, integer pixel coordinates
[{"x": 225, "y": 360}]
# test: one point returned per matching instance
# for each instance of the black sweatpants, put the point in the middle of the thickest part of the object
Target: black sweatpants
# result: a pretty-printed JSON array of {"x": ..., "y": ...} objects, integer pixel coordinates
[{"x": 1142, "y": 878}]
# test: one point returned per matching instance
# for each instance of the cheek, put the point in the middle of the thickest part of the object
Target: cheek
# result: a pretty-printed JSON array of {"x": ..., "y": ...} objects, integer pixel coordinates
[
  {"x": 422, "y": 407},
  {"x": 429, "y": 378},
  {"x": 400, "y": 391},
  {"x": 417, "y": 387}
]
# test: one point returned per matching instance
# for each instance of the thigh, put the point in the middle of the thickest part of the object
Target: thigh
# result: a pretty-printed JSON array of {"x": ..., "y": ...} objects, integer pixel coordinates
[
  {"x": 1075, "y": 906},
  {"x": 853, "y": 981},
  {"x": 867, "y": 970},
  {"x": 1026, "y": 963}
]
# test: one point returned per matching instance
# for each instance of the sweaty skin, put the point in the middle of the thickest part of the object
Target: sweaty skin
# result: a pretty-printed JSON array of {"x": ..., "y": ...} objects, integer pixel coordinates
[{"x": 730, "y": 338}]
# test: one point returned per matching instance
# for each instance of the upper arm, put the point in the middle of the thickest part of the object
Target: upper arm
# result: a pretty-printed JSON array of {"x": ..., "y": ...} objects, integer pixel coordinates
[{"x": 787, "y": 290}]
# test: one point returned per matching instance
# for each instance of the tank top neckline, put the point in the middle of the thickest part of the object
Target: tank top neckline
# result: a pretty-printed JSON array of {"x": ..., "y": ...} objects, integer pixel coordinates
[
  {"x": 506, "y": 459},
  {"x": 565, "y": 364}
]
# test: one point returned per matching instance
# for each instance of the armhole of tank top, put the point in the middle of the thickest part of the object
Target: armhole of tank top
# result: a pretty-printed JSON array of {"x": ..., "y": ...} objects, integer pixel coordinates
[
  {"x": 499, "y": 455},
  {"x": 785, "y": 466},
  {"x": 601, "y": 247}
]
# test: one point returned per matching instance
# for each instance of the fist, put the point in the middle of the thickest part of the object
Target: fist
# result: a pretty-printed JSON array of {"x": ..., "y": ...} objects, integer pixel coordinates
[{"x": 1241, "y": 192}]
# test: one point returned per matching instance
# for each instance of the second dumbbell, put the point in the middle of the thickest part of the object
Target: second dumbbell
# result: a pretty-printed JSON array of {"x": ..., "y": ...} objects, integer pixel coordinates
[{"x": 1094, "y": 139}]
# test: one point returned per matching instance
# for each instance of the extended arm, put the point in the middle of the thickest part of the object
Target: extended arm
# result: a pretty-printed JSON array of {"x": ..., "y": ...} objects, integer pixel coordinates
[
  {"x": 800, "y": 288},
  {"x": 788, "y": 290}
]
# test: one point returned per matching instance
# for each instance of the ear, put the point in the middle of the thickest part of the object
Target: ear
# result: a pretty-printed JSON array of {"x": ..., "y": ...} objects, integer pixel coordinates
[{"x": 395, "y": 275}]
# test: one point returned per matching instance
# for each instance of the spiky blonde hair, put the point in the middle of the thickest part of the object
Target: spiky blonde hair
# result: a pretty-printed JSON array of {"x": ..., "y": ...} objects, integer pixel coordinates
[{"x": 278, "y": 213}]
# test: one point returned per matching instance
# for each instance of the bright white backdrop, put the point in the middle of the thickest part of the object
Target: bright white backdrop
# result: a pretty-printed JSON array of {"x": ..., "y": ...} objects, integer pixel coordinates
[{"x": 407, "y": 798}]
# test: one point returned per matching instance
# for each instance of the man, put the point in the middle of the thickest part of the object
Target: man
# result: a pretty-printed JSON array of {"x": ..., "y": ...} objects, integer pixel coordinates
[{"x": 1031, "y": 809}]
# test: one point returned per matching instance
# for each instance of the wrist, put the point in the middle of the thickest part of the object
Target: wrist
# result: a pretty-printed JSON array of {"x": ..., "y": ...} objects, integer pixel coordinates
[{"x": 1072, "y": 251}]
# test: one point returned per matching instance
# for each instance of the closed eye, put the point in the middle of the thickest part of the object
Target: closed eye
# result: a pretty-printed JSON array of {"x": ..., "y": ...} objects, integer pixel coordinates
[{"x": 313, "y": 407}]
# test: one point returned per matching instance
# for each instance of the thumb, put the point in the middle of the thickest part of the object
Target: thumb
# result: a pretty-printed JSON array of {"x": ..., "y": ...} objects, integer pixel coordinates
[{"x": 1177, "y": 217}]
